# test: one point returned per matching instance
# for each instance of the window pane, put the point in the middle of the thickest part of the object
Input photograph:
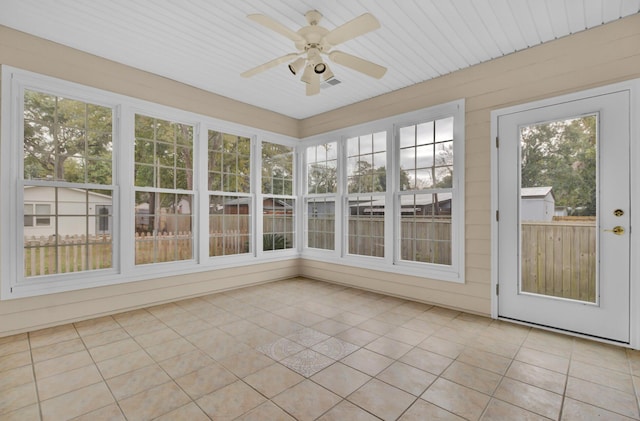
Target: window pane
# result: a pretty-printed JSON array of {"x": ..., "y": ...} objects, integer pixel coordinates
[
  {"x": 428, "y": 165},
  {"x": 28, "y": 215},
  {"x": 163, "y": 227},
  {"x": 366, "y": 225},
  {"x": 277, "y": 169},
  {"x": 62, "y": 135},
  {"x": 229, "y": 225},
  {"x": 425, "y": 228},
  {"x": 559, "y": 208},
  {"x": 321, "y": 220},
  {"x": 61, "y": 233},
  {"x": 425, "y": 133},
  {"x": 162, "y": 148},
  {"x": 322, "y": 166},
  {"x": 43, "y": 215},
  {"x": 278, "y": 223},
  {"x": 230, "y": 158},
  {"x": 366, "y": 168},
  {"x": 407, "y": 136}
]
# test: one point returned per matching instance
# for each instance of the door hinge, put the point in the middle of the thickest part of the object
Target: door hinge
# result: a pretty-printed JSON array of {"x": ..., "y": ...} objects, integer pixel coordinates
[
  {"x": 497, "y": 142},
  {"x": 497, "y": 289},
  {"x": 497, "y": 216}
]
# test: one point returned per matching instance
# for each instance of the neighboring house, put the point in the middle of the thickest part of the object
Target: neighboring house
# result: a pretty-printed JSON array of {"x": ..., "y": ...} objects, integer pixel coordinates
[
  {"x": 537, "y": 203},
  {"x": 270, "y": 206},
  {"x": 74, "y": 205},
  {"x": 321, "y": 208},
  {"x": 419, "y": 205}
]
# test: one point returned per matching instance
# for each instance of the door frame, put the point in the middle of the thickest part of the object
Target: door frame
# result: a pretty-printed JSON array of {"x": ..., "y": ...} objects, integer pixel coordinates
[{"x": 633, "y": 86}]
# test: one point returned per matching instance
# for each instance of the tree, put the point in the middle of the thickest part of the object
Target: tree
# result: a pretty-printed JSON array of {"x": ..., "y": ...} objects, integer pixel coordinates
[
  {"x": 66, "y": 140},
  {"x": 366, "y": 179},
  {"x": 229, "y": 162},
  {"x": 277, "y": 169},
  {"x": 562, "y": 154},
  {"x": 322, "y": 174}
]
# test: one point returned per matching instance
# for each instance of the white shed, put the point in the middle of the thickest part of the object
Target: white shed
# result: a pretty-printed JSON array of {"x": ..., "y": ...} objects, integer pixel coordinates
[
  {"x": 79, "y": 212},
  {"x": 537, "y": 203}
]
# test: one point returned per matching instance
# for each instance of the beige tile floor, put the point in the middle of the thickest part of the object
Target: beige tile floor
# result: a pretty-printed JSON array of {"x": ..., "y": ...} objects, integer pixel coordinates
[{"x": 302, "y": 349}]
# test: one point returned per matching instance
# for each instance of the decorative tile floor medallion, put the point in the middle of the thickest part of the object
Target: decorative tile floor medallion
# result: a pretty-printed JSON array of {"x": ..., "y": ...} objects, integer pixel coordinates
[
  {"x": 335, "y": 348},
  {"x": 307, "y": 362},
  {"x": 280, "y": 349}
]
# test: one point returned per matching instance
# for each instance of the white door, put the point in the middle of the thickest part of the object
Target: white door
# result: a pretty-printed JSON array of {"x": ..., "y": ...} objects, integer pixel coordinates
[{"x": 567, "y": 270}]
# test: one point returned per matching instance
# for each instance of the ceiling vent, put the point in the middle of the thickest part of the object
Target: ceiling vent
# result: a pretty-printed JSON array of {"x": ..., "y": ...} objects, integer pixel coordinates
[{"x": 329, "y": 83}]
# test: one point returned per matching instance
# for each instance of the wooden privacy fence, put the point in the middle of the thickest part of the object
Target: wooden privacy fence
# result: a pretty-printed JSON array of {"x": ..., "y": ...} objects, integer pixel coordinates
[
  {"x": 47, "y": 255},
  {"x": 163, "y": 247},
  {"x": 559, "y": 259},
  {"x": 423, "y": 239},
  {"x": 426, "y": 240}
]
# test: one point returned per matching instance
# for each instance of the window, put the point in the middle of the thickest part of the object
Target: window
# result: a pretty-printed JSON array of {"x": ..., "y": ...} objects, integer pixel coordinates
[
  {"x": 230, "y": 200},
  {"x": 320, "y": 200},
  {"x": 37, "y": 215},
  {"x": 399, "y": 207},
  {"x": 425, "y": 195},
  {"x": 163, "y": 181},
  {"x": 103, "y": 216},
  {"x": 278, "y": 201},
  {"x": 67, "y": 170},
  {"x": 366, "y": 186},
  {"x": 131, "y": 210}
]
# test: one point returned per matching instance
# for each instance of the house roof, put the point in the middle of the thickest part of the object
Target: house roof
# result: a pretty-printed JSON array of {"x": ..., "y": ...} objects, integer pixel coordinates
[
  {"x": 408, "y": 200},
  {"x": 208, "y": 44},
  {"x": 535, "y": 192},
  {"x": 91, "y": 193}
]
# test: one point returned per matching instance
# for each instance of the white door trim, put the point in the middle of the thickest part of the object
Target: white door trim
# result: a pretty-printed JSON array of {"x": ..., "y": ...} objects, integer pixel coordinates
[{"x": 633, "y": 86}]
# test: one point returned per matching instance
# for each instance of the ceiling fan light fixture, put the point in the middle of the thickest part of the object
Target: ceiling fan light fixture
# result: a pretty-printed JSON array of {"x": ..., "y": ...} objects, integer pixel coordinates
[
  {"x": 320, "y": 68},
  {"x": 297, "y": 65},
  {"x": 328, "y": 74}
]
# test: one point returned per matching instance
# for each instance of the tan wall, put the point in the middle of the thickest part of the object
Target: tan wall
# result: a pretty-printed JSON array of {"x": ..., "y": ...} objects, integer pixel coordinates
[
  {"x": 27, "y": 314},
  {"x": 27, "y": 52},
  {"x": 603, "y": 55}
]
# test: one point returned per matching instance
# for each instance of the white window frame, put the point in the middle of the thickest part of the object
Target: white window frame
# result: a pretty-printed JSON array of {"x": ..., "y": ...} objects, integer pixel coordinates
[
  {"x": 204, "y": 162},
  {"x": 391, "y": 261},
  {"x": 14, "y": 84},
  {"x": 306, "y": 196},
  {"x": 260, "y": 197},
  {"x": 12, "y": 284}
]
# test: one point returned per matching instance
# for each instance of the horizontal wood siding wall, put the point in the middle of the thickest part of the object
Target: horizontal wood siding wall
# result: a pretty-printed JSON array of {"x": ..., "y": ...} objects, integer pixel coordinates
[
  {"x": 600, "y": 56},
  {"x": 27, "y": 314}
]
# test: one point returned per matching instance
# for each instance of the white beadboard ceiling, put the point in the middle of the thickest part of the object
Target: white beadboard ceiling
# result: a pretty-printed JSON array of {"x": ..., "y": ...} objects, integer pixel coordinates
[{"x": 207, "y": 43}]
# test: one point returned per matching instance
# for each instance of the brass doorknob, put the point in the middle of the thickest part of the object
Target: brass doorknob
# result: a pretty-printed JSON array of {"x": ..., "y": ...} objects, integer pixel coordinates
[{"x": 617, "y": 230}]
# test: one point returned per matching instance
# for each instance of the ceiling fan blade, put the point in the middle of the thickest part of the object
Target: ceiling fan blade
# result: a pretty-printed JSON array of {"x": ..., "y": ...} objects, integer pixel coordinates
[
  {"x": 355, "y": 27},
  {"x": 276, "y": 26},
  {"x": 359, "y": 64},
  {"x": 269, "y": 65},
  {"x": 313, "y": 88}
]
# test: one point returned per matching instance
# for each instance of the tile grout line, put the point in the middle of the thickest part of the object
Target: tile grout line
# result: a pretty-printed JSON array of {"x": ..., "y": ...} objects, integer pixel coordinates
[
  {"x": 35, "y": 380},
  {"x": 101, "y": 375}
]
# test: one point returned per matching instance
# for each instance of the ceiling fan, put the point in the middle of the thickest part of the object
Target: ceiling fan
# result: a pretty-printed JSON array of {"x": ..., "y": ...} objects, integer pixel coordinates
[{"x": 314, "y": 41}]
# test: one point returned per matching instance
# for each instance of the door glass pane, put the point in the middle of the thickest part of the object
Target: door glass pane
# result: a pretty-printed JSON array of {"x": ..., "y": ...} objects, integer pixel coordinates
[{"x": 558, "y": 205}]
